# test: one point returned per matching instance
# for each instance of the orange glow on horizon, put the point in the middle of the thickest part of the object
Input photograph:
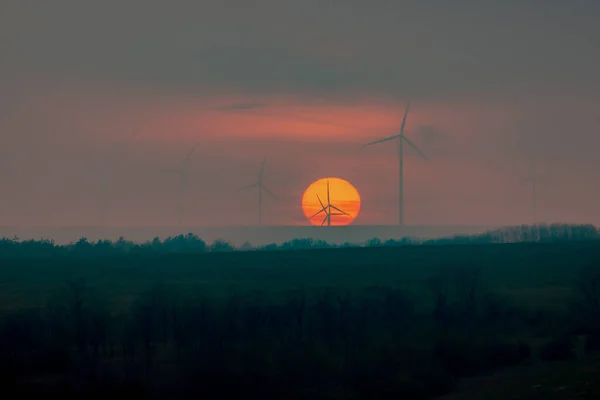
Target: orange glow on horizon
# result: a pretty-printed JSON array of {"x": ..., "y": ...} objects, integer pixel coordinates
[{"x": 342, "y": 195}]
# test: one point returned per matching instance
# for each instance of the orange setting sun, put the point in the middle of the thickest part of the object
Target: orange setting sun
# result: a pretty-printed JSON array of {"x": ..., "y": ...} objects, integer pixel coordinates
[{"x": 338, "y": 207}]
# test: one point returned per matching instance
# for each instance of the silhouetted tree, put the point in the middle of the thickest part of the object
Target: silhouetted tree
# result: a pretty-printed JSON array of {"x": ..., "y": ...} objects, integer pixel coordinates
[
  {"x": 220, "y": 245},
  {"x": 374, "y": 242},
  {"x": 82, "y": 245},
  {"x": 246, "y": 246}
]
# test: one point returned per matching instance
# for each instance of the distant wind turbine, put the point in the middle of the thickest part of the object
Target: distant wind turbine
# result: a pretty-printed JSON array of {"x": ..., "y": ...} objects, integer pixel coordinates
[
  {"x": 327, "y": 209},
  {"x": 182, "y": 171},
  {"x": 401, "y": 139},
  {"x": 260, "y": 187}
]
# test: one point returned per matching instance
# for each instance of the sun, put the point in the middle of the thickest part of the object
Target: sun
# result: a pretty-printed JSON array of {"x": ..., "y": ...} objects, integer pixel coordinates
[{"x": 342, "y": 196}]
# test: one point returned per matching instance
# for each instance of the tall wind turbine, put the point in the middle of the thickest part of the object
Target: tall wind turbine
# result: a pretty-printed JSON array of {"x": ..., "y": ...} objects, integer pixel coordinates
[
  {"x": 327, "y": 209},
  {"x": 260, "y": 187},
  {"x": 183, "y": 181},
  {"x": 401, "y": 139}
]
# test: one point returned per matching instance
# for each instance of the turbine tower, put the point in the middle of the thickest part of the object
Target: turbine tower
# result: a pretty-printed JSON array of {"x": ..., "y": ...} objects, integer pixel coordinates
[
  {"x": 260, "y": 187},
  {"x": 401, "y": 139},
  {"x": 183, "y": 181},
  {"x": 327, "y": 209}
]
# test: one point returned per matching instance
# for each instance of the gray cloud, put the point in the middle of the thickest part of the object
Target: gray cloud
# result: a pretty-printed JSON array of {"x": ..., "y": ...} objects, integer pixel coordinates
[
  {"x": 419, "y": 49},
  {"x": 242, "y": 107}
]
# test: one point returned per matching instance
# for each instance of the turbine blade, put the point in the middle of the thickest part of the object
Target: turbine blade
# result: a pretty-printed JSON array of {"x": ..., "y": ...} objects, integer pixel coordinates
[
  {"x": 387, "y": 139},
  {"x": 317, "y": 213},
  {"x": 262, "y": 168},
  {"x": 414, "y": 146},
  {"x": 324, "y": 220},
  {"x": 263, "y": 187},
  {"x": 187, "y": 157},
  {"x": 342, "y": 211},
  {"x": 404, "y": 119},
  {"x": 320, "y": 202}
]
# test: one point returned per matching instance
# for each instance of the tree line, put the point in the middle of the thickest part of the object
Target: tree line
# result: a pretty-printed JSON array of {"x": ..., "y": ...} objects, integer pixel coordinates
[{"x": 191, "y": 243}]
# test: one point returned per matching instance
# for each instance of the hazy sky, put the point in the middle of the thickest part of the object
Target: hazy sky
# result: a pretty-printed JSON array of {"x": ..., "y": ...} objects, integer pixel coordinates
[{"x": 305, "y": 83}]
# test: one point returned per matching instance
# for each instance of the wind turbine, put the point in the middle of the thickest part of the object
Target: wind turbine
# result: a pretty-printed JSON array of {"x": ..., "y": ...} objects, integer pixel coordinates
[
  {"x": 259, "y": 185},
  {"x": 327, "y": 209},
  {"x": 401, "y": 139},
  {"x": 183, "y": 181}
]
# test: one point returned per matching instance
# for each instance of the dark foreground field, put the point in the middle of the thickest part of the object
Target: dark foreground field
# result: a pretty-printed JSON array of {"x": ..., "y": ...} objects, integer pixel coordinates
[
  {"x": 366, "y": 323},
  {"x": 550, "y": 380}
]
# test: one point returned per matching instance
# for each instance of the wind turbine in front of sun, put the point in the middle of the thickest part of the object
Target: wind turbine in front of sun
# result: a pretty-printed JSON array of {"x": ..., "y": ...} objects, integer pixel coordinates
[
  {"x": 401, "y": 139},
  {"x": 327, "y": 209}
]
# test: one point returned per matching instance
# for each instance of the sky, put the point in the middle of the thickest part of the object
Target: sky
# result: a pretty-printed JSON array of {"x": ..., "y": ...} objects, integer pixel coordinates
[{"x": 96, "y": 98}]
